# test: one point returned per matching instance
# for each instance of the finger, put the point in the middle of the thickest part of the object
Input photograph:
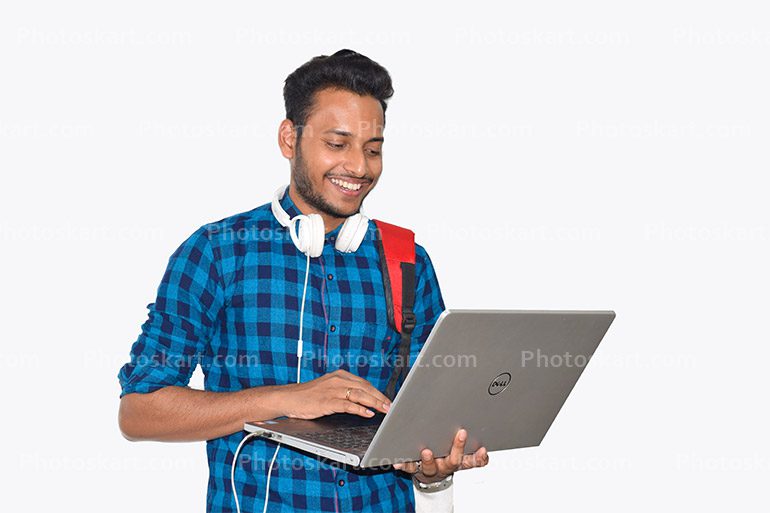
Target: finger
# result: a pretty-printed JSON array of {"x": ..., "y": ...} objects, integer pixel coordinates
[
  {"x": 364, "y": 385},
  {"x": 478, "y": 459},
  {"x": 484, "y": 455},
  {"x": 409, "y": 467},
  {"x": 429, "y": 466},
  {"x": 343, "y": 406},
  {"x": 376, "y": 394},
  {"x": 472, "y": 461},
  {"x": 455, "y": 458},
  {"x": 364, "y": 398}
]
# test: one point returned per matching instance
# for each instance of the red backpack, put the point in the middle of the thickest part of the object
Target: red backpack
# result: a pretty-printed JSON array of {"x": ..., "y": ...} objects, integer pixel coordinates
[{"x": 397, "y": 259}]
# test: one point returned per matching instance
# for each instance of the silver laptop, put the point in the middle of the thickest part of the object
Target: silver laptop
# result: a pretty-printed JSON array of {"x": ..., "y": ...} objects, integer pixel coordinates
[{"x": 501, "y": 375}]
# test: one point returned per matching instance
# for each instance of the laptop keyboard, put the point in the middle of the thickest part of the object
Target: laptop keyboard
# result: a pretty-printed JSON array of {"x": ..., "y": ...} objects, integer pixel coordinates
[{"x": 354, "y": 438}]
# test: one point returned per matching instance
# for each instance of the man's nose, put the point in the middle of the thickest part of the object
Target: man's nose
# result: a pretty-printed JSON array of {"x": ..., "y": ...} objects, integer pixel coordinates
[{"x": 355, "y": 164}]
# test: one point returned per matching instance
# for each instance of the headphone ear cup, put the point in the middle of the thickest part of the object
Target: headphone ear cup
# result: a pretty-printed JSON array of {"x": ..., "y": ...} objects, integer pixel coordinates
[
  {"x": 312, "y": 235},
  {"x": 352, "y": 233}
]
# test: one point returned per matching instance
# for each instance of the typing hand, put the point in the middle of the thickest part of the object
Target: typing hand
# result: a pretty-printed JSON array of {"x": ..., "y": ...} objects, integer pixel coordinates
[{"x": 336, "y": 392}]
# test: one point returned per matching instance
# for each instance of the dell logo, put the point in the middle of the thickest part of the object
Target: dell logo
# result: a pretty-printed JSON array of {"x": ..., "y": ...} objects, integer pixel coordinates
[{"x": 500, "y": 383}]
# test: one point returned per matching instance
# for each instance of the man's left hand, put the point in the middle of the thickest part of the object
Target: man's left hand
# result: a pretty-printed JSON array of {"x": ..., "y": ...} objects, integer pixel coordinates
[{"x": 431, "y": 470}]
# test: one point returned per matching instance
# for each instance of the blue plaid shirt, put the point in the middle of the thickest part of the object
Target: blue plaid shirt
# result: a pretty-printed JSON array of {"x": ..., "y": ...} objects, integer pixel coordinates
[{"x": 229, "y": 301}]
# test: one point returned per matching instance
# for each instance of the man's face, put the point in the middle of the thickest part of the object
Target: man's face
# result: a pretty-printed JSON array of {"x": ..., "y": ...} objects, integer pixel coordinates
[{"x": 338, "y": 157}]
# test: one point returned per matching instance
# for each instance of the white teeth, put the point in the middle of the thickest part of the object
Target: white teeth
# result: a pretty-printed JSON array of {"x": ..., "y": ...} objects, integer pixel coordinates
[{"x": 346, "y": 185}]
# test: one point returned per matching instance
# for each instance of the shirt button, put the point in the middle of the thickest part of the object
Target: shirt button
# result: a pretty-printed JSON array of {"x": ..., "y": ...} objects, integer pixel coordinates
[
  {"x": 332, "y": 328},
  {"x": 330, "y": 276},
  {"x": 341, "y": 482}
]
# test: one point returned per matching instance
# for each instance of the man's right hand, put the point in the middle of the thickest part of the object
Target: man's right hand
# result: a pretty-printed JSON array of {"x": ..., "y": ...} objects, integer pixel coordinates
[{"x": 329, "y": 394}]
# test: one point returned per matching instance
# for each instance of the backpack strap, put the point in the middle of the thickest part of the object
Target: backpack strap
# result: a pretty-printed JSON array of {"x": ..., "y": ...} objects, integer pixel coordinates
[{"x": 397, "y": 260}]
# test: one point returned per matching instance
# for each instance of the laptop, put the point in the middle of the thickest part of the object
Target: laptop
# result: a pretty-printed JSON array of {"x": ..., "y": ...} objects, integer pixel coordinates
[{"x": 503, "y": 375}]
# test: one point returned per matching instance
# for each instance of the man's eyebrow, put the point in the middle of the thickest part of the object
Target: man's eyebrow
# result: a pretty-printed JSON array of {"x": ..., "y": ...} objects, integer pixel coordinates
[{"x": 345, "y": 133}]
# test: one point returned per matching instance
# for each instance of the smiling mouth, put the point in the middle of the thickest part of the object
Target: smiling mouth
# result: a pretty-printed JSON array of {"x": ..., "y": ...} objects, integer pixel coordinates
[{"x": 349, "y": 187}]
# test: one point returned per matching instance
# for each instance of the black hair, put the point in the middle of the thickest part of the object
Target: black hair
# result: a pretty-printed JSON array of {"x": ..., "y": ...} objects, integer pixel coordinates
[{"x": 344, "y": 69}]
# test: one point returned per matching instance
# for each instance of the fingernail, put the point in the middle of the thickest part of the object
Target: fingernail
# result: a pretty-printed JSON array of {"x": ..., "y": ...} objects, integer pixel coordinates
[
  {"x": 386, "y": 406},
  {"x": 463, "y": 435}
]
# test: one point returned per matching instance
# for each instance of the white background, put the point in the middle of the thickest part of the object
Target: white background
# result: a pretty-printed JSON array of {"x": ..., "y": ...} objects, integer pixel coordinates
[{"x": 573, "y": 155}]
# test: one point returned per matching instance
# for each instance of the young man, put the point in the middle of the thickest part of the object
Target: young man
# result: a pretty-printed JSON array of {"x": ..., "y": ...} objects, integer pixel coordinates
[{"x": 232, "y": 298}]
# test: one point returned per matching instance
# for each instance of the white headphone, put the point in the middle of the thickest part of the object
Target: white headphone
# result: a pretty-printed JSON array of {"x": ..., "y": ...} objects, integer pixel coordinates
[{"x": 311, "y": 232}]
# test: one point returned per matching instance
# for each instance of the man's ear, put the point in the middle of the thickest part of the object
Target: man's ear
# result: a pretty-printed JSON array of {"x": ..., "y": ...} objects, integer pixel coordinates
[{"x": 287, "y": 138}]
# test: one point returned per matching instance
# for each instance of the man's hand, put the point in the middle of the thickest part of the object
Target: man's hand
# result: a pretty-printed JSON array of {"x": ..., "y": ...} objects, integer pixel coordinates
[
  {"x": 335, "y": 392},
  {"x": 431, "y": 470}
]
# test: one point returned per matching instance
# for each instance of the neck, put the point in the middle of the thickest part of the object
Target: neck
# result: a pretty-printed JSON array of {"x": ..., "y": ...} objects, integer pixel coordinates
[{"x": 330, "y": 222}]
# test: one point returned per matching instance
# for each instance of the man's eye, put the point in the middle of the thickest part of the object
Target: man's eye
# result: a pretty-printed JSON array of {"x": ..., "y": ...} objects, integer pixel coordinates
[
  {"x": 374, "y": 153},
  {"x": 335, "y": 146}
]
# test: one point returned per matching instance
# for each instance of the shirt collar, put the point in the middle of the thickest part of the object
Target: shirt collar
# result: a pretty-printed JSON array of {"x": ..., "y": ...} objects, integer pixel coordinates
[{"x": 290, "y": 208}]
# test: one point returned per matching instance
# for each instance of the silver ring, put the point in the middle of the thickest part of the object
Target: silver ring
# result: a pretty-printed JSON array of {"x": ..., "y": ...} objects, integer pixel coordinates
[
  {"x": 347, "y": 394},
  {"x": 419, "y": 467}
]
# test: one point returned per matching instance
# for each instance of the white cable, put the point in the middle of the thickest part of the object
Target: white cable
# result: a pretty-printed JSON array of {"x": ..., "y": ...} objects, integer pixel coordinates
[
  {"x": 301, "y": 316},
  {"x": 232, "y": 472},
  {"x": 232, "y": 469},
  {"x": 269, "y": 472},
  {"x": 299, "y": 366}
]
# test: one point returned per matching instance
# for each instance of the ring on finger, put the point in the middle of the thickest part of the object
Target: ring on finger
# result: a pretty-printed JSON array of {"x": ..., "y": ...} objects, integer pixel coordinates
[{"x": 347, "y": 394}]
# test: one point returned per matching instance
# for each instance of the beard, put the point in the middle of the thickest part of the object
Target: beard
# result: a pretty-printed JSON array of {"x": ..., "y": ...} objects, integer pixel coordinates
[{"x": 305, "y": 189}]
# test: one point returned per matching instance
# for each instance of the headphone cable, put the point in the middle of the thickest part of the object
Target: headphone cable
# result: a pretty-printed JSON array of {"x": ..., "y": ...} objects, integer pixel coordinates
[{"x": 257, "y": 433}]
